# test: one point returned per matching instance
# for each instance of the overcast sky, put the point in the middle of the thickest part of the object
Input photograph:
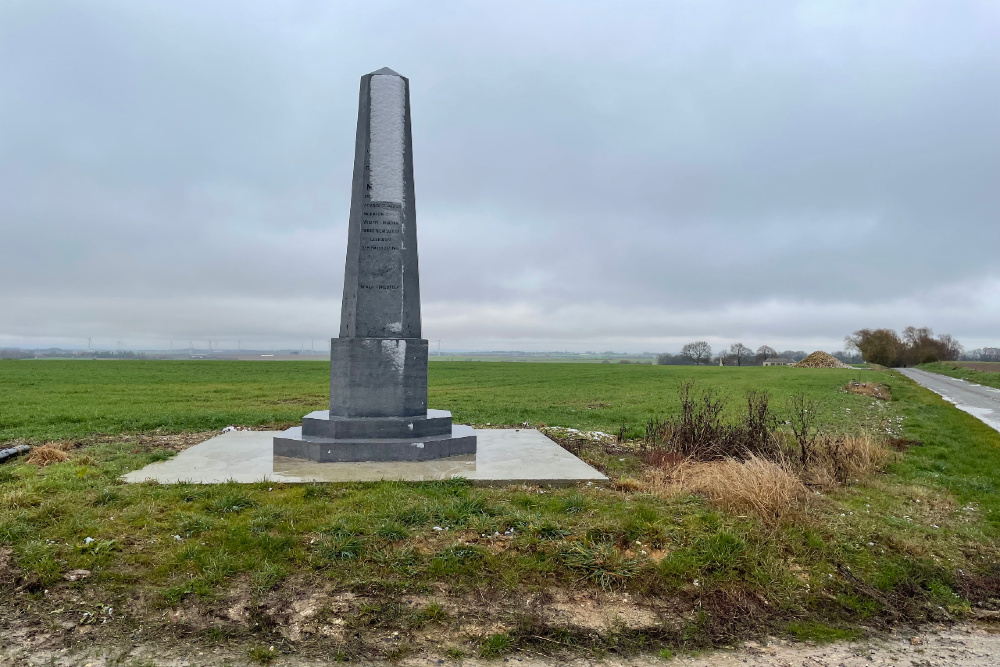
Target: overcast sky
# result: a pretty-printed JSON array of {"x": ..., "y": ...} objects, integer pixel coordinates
[{"x": 589, "y": 175}]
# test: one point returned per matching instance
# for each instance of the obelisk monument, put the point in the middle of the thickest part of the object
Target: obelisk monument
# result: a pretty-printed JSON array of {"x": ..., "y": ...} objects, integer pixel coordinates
[{"x": 378, "y": 365}]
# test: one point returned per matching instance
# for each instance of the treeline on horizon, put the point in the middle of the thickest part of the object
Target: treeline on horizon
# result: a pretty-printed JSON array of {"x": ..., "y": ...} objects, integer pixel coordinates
[
  {"x": 886, "y": 347},
  {"x": 916, "y": 345},
  {"x": 738, "y": 354}
]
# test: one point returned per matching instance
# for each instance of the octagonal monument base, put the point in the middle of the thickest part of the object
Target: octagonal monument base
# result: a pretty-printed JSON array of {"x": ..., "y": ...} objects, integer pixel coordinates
[{"x": 327, "y": 439}]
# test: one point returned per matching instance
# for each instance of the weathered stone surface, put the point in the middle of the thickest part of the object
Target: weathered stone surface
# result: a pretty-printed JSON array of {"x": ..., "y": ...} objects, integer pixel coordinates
[
  {"x": 378, "y": 377},
  {"x": 381, "y": 281}
]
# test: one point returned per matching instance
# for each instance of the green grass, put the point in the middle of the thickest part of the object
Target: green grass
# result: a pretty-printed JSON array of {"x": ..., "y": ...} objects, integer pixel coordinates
[
  {"x": 496, "y": 645},
  {"x": 957, "y": 370},
  {"x": 73, "y": 399},
  {"x": 900, "y": 546}
]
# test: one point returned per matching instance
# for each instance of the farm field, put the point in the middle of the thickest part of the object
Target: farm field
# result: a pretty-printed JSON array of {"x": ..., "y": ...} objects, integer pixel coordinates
[
  {"x": 267, "y": 572},
  {"x": 540, "y": 359},
  {"x": 63, "y": 399},
  {"x": 981, "y": 372}
]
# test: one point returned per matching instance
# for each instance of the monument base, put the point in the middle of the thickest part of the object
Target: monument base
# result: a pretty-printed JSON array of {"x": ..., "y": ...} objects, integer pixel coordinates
[
  {"x": 292, "y": 443},
  {"x": 321, "y": 424}
]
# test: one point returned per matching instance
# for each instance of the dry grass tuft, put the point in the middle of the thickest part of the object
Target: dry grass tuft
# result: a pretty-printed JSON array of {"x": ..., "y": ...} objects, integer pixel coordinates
[
  {"x": 757, "y": 485},
  {"x": 53, "y": 452},
  {"x": 844, "y": 458}
]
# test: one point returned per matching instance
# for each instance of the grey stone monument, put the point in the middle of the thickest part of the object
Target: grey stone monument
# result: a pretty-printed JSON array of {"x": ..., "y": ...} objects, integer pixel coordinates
[{"x": 378, "y": 365}]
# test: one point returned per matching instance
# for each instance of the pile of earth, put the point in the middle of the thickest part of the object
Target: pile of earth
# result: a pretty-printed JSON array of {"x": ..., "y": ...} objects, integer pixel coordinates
[{"x": 820, "y": 359}]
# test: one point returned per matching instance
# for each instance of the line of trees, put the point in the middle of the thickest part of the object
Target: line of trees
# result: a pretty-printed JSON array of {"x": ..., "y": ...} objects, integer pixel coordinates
[
  {"x": 982, "y": 354},
  {"x": 917, "y": 345},
  {"x": 737, "y": 354}
]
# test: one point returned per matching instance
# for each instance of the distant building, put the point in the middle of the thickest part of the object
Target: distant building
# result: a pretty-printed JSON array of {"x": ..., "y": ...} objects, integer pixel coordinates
[{"x": 778, "y": 361}]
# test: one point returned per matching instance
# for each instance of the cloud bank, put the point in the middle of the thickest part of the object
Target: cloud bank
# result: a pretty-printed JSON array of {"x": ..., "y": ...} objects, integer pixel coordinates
[{"x": 587, "y": 176}]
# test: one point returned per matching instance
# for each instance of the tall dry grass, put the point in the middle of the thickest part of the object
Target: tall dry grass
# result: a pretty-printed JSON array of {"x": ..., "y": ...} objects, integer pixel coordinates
[
  {"x": 842, "y": 459},
  {"x": 756, "y": 485},
  {"x": 771, "y": 490}
]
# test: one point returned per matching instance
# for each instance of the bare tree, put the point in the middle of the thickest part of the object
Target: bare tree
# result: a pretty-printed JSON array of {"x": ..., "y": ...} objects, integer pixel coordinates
[
  {"x": 953, "y": 349},
  {"x": 765, "y": 352},
  {"x": 698, "y": 352},
  {"x": 739, "y": 353}
]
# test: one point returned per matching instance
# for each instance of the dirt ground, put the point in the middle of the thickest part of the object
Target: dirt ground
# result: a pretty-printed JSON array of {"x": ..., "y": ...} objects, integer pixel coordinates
[
  {"x": 984, "y": 366},
  {"x": 958, "y": 646}
]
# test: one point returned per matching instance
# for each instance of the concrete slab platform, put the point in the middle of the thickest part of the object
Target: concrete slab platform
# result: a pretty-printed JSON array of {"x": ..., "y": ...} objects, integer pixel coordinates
[{"x": 504, "y": 456}]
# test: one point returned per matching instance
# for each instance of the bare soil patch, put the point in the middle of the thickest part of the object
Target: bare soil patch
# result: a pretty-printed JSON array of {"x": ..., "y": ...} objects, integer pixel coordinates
[
  {"x": 963, "y": 645},
  {"x": 984, "y": 366},
  {"x": 870, "y": 389}
]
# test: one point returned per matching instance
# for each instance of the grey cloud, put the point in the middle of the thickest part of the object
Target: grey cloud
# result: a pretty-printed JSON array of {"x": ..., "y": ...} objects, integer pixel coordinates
[{"x": 639, "y": 173}]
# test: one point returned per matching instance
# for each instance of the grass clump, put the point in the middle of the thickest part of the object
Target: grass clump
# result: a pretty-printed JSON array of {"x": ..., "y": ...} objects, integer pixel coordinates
[
  {"x": 496, "y": 645},
  {"x": 340, "y": 546},
  {"x": 603, "y": 564},
  {"x": 262, "y": 655},
  {"x": 434, "y": 613}
]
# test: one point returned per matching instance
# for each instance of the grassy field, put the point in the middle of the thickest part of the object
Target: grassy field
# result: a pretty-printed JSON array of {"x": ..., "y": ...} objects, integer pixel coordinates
[
  {"x": 456, "y": 570},
  {"x": 540, "y": 359},
  {"x": 984, "y": 373},
  {"x": 65, "y": 399}
]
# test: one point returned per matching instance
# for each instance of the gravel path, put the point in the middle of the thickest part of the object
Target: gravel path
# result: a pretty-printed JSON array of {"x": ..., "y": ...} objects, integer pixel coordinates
[{"x": 969, "y": 645}]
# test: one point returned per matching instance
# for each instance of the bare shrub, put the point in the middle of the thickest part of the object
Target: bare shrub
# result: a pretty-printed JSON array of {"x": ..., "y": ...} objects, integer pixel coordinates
[
  {"x": 801, "y": 415},
  {"x": 699, "y": 432},
  {"x": 698, "y": 429},
  {"x": 756, "y": 431}
]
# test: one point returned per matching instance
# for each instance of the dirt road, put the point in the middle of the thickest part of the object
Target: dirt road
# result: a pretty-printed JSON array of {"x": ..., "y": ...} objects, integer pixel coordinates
[
  {"x": 969, "y": 645},
  {"x": 979, "y": 401}
]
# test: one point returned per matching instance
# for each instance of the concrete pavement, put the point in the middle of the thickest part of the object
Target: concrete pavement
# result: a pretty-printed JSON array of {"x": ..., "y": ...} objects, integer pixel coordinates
[{"x": 979, "y": 401}]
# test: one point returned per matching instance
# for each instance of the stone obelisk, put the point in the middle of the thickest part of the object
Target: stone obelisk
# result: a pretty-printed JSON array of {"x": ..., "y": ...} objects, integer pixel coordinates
[{"x": 378, "y": 365}]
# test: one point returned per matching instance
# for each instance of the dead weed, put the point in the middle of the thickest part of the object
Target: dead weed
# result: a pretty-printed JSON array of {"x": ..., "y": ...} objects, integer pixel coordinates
[
  {"x": 52, "y": 452},
  {"x": 756, "y": 485}
]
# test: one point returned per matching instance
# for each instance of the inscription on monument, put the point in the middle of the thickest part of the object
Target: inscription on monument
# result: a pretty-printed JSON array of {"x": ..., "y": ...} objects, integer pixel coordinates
[{"x": 381, "y": 244}]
